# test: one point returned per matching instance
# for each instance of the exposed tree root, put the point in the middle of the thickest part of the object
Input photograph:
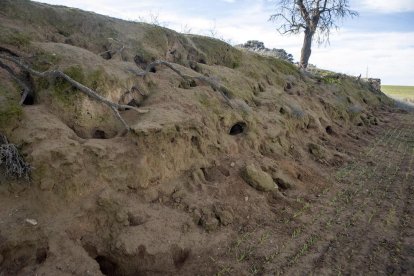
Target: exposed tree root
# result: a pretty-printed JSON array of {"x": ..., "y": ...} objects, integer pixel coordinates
[
  {"x": 115, "y": 107},
  {"x": 25, "y": 88},
  {"x": 53, "y": 74},
  {"x": 210, "y": 81}
]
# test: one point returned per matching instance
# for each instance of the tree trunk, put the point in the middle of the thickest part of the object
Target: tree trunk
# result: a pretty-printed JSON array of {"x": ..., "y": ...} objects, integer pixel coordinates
[{"x": 306, "y": 48}]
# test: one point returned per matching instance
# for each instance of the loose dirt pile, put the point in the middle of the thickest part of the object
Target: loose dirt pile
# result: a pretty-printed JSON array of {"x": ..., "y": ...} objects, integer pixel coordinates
[{"x": 261, "y": 176}]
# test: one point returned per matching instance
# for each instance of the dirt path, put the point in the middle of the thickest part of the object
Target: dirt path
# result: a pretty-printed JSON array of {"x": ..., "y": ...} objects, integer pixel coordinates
[{"x": 362, "y": 224}]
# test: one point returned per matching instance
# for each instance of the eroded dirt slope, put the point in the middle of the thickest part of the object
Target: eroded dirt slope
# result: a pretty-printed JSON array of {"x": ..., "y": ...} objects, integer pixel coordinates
[{"x": 290, "y": 172}]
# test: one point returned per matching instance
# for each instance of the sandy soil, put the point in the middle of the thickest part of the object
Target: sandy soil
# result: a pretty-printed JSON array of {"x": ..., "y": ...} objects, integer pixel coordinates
[
  {"x": 291, "y": 173},
  {"x": 360, "y": 223},
  {"x": 358, "y": 220}
]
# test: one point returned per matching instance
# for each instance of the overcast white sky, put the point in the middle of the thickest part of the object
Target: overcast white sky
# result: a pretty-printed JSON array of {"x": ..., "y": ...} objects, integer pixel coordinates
[{"x": 381, "y": 39}]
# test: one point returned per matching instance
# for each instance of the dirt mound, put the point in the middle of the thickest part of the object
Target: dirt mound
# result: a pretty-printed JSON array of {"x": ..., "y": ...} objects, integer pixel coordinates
[{"x": 170, "y": 196}]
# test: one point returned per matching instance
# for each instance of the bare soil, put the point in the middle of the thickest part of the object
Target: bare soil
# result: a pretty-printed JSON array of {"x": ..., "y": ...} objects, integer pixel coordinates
[
  {"x": 360, "y": 223},
  {"x": 358, "y": 220},
  {"x": 330, "y": 188}
]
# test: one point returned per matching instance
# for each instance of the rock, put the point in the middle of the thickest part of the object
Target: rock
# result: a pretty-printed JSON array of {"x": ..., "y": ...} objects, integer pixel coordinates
[
  {"x": 151, "y": 195},
  {"x": 135, "y": 220},
  {"x": 258, "y": 179},
  {"x": 178, "y": 195},
  {"x": 283, "y": 183},
  {"x": 316, "y": 150},
  {"x": 224, "y": 216},
  {"x": 209, "y": 223},
  {"x": 121, "y": 217},
  {"x": 31, "y": 221},
  {"x": 208, "y": 219}
]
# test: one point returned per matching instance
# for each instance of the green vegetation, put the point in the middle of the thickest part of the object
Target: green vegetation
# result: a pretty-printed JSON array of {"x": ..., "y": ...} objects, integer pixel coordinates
[
  {"x": 217, "y": 52},
  {"x": 402, "y": 93},
  {"x": 43, "y": 61},
  {"x": 284, "y": 67},
  {"x": 15, "y": 38},
  {"x": 10, "y": 110},
  {"x": 64, "y": 91}
]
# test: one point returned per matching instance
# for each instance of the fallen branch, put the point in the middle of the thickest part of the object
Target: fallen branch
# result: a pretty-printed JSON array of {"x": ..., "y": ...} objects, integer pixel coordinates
[
  {"x": 113, "y": 52},
  {"x": 213, "y": 84},
  {"x": 13, "y": 162},
  {"x": 84, "y": 89}
]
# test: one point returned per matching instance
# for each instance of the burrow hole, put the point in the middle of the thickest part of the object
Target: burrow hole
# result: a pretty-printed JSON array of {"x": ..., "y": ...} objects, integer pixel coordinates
[
  {"x": 106, "y": 266},
  {"x": 329, "y": 130},
  {"x": 29, "y": 100},
  {"x": 238, "y": 128}
]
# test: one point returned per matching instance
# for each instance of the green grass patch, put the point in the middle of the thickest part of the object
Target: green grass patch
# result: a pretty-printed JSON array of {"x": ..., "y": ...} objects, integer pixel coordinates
[
  {"x": 63, "y": 90},
  {"x": 10, "y": 110},
  {"x": 400, "y": 93},
  {"x": 44, "y": 60},
  {"x": 15, "y": 38},
  {"x": 10, "y": 113},
  {"x": 217, "y": 52}
]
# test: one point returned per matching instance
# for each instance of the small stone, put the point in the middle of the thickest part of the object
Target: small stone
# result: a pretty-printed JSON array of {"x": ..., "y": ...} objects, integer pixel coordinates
[
  {"x": 135, "y": 220},
  {"x": 226, "y": 218},
  {"x": 316, "y": 151},
  {"x": 178, "y": 196},
  {"x": 246, "y": 198},
  {"x": 151, "y": 195},
  {"x": 121, "y": 216},
  {"x": 31, "y": 221},
  {"x": 118, "y": 245},
  {"x": 209, "y": 223},
  {"x": 232, "y": 164},
  {"x": 258, "y": 179},
  {"x": 283, "y": 184}
]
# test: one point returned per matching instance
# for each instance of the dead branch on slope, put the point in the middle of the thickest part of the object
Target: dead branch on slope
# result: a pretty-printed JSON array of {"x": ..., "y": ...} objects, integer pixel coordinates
[
  {"x": 53, "y": 74},
  {"x": 110, "y": 53},
  {"x": 12, "y": 160},
  {"x": 211, "y": 82}
]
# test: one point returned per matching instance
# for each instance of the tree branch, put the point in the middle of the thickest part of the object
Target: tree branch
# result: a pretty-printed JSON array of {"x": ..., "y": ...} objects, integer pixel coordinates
[{"x": 304, "y": 12}]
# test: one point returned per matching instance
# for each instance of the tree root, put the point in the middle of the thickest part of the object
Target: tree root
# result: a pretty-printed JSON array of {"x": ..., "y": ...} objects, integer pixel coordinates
[
  {"x": 210, "y": 81},
  {"x": 53, "y": 74},
  {"x": 25, "y": 88}
]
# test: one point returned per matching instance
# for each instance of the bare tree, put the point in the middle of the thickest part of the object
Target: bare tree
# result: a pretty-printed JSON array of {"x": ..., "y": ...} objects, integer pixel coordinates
[{"x": 313, "y": 17}]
